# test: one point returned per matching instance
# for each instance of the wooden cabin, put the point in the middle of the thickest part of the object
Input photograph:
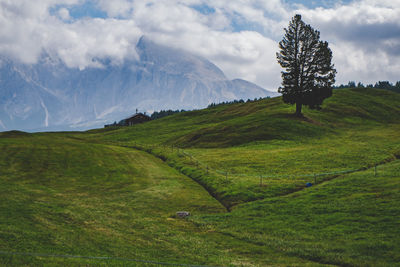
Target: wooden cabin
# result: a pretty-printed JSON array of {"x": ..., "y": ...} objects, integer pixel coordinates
[{"x": 135, "y": 119}]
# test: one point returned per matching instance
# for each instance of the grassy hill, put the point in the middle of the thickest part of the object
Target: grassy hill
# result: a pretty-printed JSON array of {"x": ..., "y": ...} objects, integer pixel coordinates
[
  {"x": 352, "y": 220},
  {"x": 66, "y": 197},
  {"x": 114, "y": 192},
  {"x": 230, "y": 148},
  {"x": 268, "y": 119}
]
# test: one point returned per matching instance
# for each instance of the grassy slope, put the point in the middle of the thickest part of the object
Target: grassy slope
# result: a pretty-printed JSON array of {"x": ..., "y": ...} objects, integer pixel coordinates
[
  {"x": 63, "y": 196},
  {"x": 268, "y": 119},
  {"x": 355, "y": 129},
  {"x": 351, "y": 220}
]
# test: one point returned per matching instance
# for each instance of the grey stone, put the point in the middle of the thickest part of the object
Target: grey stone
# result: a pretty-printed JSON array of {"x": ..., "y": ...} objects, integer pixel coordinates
[{"x": 182, "y": 214}]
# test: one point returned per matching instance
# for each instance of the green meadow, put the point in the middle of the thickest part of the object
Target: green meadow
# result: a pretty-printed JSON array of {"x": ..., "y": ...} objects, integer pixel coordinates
[
  {"x": 230, "y": 149},
  {"x": 241, "y": 171}
]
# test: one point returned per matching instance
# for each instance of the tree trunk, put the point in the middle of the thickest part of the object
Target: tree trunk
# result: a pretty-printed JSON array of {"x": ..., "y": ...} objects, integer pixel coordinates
[{"x": 298, "y": 109}]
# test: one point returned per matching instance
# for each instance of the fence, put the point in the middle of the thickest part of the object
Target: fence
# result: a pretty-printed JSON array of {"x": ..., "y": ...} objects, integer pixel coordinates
[{"x": 226, "y": 173}]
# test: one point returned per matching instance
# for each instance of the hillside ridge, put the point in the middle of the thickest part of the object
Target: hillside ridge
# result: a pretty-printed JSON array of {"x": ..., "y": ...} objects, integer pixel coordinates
[{"x": 268, "y": 119}]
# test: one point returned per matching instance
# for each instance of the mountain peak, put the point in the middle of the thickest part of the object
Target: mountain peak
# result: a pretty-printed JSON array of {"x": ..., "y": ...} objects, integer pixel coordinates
[
  {"x": 174, "y": 60},
  {"x": 51, "y": 94},
  {"x": 143, "y": 40}
]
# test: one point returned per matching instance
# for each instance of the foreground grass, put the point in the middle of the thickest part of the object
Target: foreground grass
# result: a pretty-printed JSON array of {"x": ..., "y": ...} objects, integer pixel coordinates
[{"x": 66, "y": 197}]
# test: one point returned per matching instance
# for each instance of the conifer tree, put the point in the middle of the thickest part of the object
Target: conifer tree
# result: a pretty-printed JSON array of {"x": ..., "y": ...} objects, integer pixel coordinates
[{"x": 308, "y": 73}]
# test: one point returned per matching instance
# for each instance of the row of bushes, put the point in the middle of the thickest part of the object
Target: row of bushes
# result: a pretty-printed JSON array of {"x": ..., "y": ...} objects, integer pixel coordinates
[
  {"x": 234, "y": 102},
  {"x": 378, "y": 85}
]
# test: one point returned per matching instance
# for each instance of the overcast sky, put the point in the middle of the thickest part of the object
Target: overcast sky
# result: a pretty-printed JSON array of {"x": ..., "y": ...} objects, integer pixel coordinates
[{"x": 239, "y": 36}]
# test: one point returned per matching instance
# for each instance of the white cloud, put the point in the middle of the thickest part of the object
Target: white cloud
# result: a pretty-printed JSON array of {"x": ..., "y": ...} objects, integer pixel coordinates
[
  {"x": 64, "y": 14},
  {"x": 364, "y": 36},
  {"x": 116, "y": 8},
  {"x": 81, "y": 43},
  {"x": 244, "y": 54},
  {"x": 28, "y": 29}
]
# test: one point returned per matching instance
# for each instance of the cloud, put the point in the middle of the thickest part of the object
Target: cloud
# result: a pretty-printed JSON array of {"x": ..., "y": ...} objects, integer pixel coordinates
[
  {"x": 29, "y": 29},
  {"x": 240, "y": 37},
  {"x": 116, "y": 8},
  {"x": 357, "y": 65},
  {"x": 19, "y": 37},
  {"x": 205, "y": 28},
  {"x": 365, "y": 38},
  {"x": 82, "y": 43},
  {"x": 64, "y": 14}
]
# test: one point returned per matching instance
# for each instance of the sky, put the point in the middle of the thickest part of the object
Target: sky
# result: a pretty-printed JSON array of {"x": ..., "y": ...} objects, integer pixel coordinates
[{"x": 239, "y": 36}]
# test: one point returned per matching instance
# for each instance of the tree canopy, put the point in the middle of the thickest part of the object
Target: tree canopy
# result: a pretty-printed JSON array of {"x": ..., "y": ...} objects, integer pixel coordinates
[{"x": 308, "y": 73}]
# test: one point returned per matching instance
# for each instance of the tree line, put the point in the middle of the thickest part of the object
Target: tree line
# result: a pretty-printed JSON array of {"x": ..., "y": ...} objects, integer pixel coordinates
[
  {"x": 378, "y": 85},
  {"x": 235, "y": 102},
  {"x": 163, "y": 113}
]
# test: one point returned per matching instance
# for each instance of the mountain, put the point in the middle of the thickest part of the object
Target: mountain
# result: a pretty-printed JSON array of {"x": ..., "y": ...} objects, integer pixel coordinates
[{"x": 50, "y": 96}]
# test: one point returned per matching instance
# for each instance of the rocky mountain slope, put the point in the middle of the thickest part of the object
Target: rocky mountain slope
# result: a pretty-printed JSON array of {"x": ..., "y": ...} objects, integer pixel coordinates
[{"x": 50, "y": 96}]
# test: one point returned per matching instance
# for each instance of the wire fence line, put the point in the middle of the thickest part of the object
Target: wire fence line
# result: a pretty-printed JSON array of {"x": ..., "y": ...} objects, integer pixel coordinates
[
  {"x": 227, "y": 173},
  {"x": 33, "y": 254}
]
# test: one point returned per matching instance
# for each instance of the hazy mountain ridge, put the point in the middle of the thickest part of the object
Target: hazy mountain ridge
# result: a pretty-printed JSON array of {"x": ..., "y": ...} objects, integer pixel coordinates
[{"x": 50, "y": 96}]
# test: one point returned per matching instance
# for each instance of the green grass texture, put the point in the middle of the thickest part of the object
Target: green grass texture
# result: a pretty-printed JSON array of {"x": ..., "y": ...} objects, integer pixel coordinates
[{"x": 231, "y": 149}]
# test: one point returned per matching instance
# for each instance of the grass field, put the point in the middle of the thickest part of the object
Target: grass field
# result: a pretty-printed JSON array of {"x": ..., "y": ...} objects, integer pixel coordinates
[
  {"x": 238, "y": 143},
  {"x": 352, "y": 220},
  {"x": 60, "y": 196},
  {"x": 114, "y": 192}
]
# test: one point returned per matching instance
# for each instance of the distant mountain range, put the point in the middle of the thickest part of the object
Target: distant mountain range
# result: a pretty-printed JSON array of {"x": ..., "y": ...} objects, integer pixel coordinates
[{"x": 50, "y": 96}]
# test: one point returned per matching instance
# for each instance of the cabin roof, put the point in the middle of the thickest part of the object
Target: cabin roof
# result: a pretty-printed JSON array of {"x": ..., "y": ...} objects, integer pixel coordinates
[{"x": 138, "y": 115}]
